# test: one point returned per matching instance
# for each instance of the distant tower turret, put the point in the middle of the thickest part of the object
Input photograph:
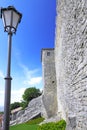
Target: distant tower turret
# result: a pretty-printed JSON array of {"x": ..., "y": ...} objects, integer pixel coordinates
[{"x": 49, "y": 80}]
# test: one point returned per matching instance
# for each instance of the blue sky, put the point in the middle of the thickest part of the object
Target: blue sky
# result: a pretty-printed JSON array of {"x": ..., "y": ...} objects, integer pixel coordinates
[{"x": 36, "y": 31}]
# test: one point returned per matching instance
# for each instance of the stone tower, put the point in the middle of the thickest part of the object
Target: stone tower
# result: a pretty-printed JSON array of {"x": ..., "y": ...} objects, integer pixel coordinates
[{"x": 49, "y": 80}]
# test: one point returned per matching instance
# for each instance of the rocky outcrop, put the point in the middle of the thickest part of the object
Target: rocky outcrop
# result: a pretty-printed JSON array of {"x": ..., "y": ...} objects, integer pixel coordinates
[
  {"x": 52, "y": 119},
  {"x": 33, "y": 110}
]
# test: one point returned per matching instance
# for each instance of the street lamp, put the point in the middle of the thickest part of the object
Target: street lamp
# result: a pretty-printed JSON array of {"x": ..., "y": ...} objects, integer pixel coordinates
[{"x": 11, "y": 17}]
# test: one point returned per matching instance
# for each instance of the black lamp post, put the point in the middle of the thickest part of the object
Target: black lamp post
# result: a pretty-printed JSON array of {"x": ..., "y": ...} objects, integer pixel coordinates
[{"x": 11, "y": 17}]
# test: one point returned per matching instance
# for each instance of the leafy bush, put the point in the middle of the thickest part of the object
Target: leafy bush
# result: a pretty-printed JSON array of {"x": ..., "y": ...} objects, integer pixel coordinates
[
  {"x": 35, "y": 121},
  {"x": 61, "y": 125}
]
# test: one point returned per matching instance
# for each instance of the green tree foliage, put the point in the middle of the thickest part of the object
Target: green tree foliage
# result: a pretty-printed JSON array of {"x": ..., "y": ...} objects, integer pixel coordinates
[
  {"x": 31, "y": 93},
  {"x": 23, "y": 104},
  {"x": 28, "y": 95},
  {"x": 1, "y": 112},
  {"x": 14, "y": 105}
]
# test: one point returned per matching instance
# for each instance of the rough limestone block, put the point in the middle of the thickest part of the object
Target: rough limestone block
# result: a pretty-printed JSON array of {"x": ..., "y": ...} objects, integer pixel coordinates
[
  {"x": 71, "y": 60},
  {"x": 33, "y": 110}
]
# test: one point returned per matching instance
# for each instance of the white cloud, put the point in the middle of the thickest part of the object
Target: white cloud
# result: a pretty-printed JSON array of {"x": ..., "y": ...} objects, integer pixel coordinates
[
  {"x": 30, "y": 76},
  {"x": 1, "y": 74},
  {"x": 33, "y": 81},
  {"x": 1, "y": 88},
  {"x": 28, "y": 73},
  {"x": 16, "y": 96},
  {"x": 2, "y": 98}
]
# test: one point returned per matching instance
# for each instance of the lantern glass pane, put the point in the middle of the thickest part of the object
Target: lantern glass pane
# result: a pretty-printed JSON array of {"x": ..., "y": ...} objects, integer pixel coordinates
[
  {"x": 16, "y": 18},
  {"x": 3, "y": 20},
  {"x": 6, "y": 15}
]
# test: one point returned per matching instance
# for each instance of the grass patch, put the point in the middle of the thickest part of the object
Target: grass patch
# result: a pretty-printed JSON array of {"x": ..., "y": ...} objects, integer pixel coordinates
[
  {"x": 33, "y": 125},
  {"x": 24, "y": 127},
  {"x": 30, "y": 125},
  {"x": 35, "y": 121}
]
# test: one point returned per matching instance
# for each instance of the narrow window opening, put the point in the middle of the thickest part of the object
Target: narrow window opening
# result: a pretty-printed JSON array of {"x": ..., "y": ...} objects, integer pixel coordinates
[
  {"x": 48, "y": 53},
  {"x": 53, "y": 81}
]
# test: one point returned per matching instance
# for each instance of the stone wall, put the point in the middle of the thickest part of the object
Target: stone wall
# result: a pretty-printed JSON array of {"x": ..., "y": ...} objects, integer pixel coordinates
[
  {"x": 71, "y": 62},
  {"x": 34, "y": 109},
  {"x": 49, "y": 79}
]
